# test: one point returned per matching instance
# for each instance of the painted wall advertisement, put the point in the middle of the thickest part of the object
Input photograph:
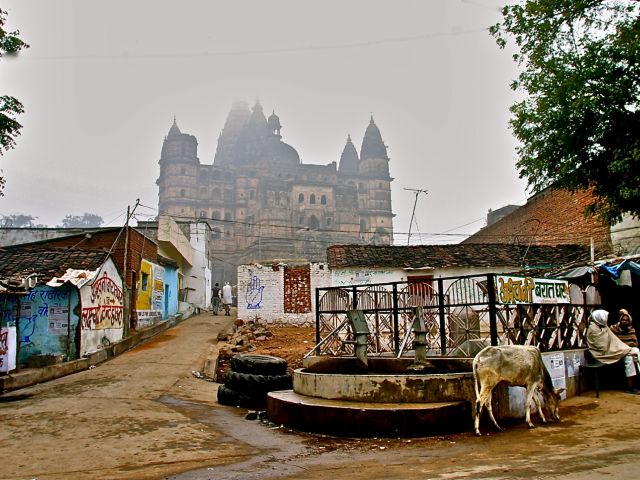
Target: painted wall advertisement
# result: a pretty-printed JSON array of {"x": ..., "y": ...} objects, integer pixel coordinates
[
  {"x": 514, "y": 290},
  {"x": 150, "y": 294},
  {"x": 103, "y": 303}
]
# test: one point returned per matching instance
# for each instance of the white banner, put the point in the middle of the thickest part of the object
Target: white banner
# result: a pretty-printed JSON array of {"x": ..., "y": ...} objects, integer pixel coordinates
[
  {"x": 8, "y": 345},
  {"x": 526, "y": 290}
]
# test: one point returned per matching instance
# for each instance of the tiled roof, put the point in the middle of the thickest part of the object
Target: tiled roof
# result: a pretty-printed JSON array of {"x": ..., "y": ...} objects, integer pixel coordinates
[
  {"x": 458, "y": 255},
  {"x": 47, "y": 262}
]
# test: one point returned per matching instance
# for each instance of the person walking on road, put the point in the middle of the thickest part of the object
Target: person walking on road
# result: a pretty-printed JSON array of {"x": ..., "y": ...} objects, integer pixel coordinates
[
  {"x": 227, "y": 298},
  {"x": 216, "y": 297}
]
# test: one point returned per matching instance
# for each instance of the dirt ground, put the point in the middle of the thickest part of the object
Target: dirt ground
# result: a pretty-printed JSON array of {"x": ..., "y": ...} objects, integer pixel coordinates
[
  {"x": 146, "y": 415},
  {"x": 592, "y": 441},
  {"x": 290, "y": 343}
]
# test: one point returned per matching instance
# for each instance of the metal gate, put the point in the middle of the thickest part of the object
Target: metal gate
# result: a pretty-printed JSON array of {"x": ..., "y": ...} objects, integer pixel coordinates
[{"x": 461, "y": 316}]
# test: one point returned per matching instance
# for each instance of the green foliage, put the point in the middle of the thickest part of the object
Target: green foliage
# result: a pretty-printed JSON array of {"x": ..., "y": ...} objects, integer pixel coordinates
[
  {"x": 88, "y": 220},
  {"x": 579, "y": 120},
  {"x": 10, "y": 107},
  {"x": 18, "y": 220}
]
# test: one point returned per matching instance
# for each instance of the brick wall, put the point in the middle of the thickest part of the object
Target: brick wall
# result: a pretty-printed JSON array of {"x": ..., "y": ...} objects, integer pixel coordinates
[
  {"x": 280, "y": 293},
  {"x": 297, "y": 289},
  {"x": 138, "y": 247},
  {"x": 552, "y": 217}
]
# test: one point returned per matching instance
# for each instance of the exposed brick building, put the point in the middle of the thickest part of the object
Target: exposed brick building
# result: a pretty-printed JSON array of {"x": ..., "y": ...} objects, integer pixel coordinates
[
  {"x": 117, "y": 241},
  {"x": 263, "y": 203},
  {"x": 551, "y": 217}
]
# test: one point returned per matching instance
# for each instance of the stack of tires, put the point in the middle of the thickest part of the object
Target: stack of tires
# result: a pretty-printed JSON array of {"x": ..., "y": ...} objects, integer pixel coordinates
[{"x": 249, "y": 379}]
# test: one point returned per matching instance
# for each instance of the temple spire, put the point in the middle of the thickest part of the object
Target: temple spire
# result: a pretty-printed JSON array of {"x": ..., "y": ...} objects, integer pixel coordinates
[
  {"x": 372, "y": 144},
  {"x": 349, "y": 161}
]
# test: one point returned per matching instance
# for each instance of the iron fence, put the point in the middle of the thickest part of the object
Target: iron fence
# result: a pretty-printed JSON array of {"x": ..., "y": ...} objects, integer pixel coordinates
[{"x": 461, "y": 316}]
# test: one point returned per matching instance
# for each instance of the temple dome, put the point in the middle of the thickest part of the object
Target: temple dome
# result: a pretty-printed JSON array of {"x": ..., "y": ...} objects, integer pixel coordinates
[
  {"x": 349, "y": 159},
  {"x": 372, "y": 144}
]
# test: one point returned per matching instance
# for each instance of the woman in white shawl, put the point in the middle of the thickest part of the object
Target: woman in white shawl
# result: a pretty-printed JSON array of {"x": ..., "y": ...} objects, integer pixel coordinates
[{"x": 607, "y": 348}]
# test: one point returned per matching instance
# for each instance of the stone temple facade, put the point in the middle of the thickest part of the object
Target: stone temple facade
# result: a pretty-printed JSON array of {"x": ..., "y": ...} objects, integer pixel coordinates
[{"x": 263, "y": 204}]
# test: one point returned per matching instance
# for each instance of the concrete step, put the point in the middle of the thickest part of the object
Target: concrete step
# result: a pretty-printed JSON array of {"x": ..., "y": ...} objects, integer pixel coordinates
[{"x": 363, "y": 419}]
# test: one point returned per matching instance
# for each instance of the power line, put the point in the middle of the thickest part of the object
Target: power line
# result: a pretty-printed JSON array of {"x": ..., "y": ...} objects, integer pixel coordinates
[
  {"x": 268, "y": 51},
  {"x": 298, "y": 230}
]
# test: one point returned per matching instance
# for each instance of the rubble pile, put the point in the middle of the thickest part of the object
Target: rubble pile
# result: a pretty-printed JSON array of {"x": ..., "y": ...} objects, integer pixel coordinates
[{"x": 242, "y": 339}]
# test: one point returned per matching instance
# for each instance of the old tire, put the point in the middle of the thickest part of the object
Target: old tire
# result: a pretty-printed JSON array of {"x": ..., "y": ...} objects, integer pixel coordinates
[
  {"x": 253, "y": 384},
  {"x": 233, "y": 398},
  {"x": 258, "y": 364}
]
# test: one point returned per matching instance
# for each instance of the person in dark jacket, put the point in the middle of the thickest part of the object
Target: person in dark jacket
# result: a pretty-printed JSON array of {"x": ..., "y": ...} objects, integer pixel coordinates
[
  {"x": 216, "y": 296},
  {"x": 624, "y": 329}
]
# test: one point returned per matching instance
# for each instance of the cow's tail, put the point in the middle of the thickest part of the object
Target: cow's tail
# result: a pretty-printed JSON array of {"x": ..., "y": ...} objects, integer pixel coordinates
[{"x": 475, "y": 380}]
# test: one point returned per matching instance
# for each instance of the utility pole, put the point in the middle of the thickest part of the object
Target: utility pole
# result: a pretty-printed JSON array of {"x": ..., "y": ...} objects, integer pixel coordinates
[
  {"x": 126, "y": 291},
  {"x": 413, "y": 214}
]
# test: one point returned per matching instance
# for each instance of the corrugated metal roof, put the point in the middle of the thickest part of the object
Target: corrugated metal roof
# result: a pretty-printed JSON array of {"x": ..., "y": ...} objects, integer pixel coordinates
[{"x": 458, "y": 255}]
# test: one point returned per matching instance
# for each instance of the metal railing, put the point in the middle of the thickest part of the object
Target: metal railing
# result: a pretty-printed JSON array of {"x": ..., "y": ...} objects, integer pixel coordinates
[{"x": 461, "y": 316}]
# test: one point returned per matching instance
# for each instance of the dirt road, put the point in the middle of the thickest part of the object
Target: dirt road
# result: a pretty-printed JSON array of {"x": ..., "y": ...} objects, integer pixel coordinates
[
  {"x": 596, "y": 439},
  {"x": 144, "y": 415}
]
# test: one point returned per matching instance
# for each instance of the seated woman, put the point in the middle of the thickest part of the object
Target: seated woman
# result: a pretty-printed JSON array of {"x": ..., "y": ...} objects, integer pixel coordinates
[
  {"x": 624, "y": 329},
  {"x": 607, "y": 348}
]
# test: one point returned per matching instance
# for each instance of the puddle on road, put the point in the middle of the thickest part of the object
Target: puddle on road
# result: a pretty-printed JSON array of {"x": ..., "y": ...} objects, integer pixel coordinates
[
  {"x": 274, "y": 447},
  {"x": 14, "y": 398},
  {"x": 282, "y": 452}
]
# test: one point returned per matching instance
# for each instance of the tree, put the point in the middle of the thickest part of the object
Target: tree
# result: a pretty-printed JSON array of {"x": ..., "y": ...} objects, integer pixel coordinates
[
  {"x": 579, "y": 122},
  {"x": 19, "y": 220},
  {"x": 88, "y": 220},
  {"x": 10, "y": 107}
]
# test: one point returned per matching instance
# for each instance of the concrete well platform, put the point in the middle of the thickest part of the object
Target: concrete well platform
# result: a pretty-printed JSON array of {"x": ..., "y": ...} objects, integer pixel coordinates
[{"x": 366, "y": 419}]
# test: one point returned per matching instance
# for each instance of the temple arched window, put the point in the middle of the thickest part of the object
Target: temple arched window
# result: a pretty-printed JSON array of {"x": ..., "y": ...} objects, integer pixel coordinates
[
  {"x": 182, "y": 192},
  {"x": 314, "y": 224},
  {"x": 323, "y": 200},
  {"x": 216, "y": 194},
  {"x": 312, "y": 198},
  {"x": 215, "y": 216},
  {"x": 301, "y": 198},
  {"x": 227, "y": 216}
]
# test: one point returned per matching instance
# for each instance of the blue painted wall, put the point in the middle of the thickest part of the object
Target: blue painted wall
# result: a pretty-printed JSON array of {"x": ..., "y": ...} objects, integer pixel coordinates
[
  {"x": 44, "y": 314},
  {"x": 170, "y": 306}
]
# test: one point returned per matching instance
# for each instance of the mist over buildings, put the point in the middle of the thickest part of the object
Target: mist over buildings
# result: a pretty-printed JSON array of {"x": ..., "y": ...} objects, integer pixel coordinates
[{"x": 102, "y": 83}]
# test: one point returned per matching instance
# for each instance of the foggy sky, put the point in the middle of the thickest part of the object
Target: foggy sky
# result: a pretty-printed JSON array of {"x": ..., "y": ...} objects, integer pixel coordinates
[{"x": 102, "y": 82}]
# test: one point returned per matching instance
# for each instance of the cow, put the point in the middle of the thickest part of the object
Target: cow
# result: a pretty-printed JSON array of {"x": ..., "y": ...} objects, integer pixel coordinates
[{"x": 516, "y": 365}]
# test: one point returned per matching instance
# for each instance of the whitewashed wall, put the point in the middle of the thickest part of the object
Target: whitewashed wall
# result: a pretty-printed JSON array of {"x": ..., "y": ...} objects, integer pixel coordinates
[
  {"x": 261, "y": 293},
  {"x": 364, "y": 276},
  {"x": 198, "y": 277},
  {"x": 102, "y": 310}
]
